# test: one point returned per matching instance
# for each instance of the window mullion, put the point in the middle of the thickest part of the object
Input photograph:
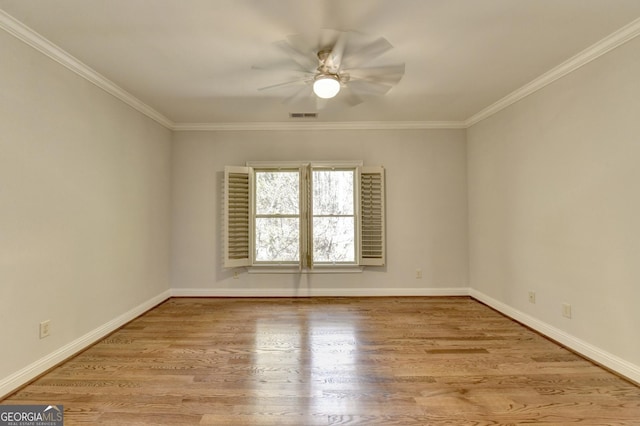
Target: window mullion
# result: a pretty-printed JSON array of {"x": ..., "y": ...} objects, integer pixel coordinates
[{"x": 307, "y": 197}]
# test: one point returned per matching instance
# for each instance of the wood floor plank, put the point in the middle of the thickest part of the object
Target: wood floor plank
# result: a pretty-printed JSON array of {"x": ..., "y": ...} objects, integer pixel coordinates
[{"x": 331, "y": 361}]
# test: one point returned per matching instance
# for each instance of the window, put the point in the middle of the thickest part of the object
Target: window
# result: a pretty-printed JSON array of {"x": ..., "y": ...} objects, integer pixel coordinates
[
  {"x": 277, "y": 216},
  {"x": 334, "y": 216},
  {"x": 304, "y": 214}
]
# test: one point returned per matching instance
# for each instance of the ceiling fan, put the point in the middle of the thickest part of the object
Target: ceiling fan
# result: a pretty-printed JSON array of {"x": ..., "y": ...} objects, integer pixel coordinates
[{"x": 336, "y": 63}]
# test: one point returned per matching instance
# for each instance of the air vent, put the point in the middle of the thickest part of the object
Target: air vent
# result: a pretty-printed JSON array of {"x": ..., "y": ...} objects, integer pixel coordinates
[{"x": 303, "y": 115}]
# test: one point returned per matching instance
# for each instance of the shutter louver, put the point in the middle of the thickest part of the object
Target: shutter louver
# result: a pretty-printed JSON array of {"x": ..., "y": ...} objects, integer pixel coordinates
[
  {"x": 372, "y": 220},
  {"x": 237, "y": 217}
]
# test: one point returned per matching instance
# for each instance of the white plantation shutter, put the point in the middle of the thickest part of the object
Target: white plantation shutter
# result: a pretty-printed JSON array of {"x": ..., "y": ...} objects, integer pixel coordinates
[
  {"x": 372, "y": 220},
  {"x": 237, "y": 216}
]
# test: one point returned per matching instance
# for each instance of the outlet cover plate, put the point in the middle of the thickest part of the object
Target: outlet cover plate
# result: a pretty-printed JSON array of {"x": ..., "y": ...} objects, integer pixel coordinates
[
  {"x": 45, "y": 329},
  {"x": 566, "y": 310}
]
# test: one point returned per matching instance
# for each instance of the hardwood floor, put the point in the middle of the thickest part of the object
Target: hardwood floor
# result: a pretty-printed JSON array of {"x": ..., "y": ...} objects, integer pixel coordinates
[{"x": 331, "y": 361}]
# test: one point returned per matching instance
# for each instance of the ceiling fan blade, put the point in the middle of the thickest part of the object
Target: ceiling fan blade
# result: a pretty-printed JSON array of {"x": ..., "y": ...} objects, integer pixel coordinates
[
  {"x": 349, "y": 97},
  {"x": 301, "y": 94},
  {"x": 321, "y": 103},
  {"x": 303, "y": 44},
  {"x": 302, "y": 58},
  {"x": 366, "y": 53},
  {"x": 327, "y": 38},
  {"x": 284, "y": 65},
  {"x": 387, "y": 74},
  {"x": 365, "y": 87},
  {"x": 334, "y": 61},
  {"x": 297, "y": 82}
]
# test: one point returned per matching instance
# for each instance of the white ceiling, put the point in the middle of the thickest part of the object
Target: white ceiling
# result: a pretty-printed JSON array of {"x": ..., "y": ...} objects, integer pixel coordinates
[{"x": 191, "y": 60}]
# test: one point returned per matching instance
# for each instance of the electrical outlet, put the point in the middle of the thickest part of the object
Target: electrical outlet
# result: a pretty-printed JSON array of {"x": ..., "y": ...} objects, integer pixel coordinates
[
  {"x": 45, "y": 328},
  {"x": 532, "y": 297},
  {"x": 566, "y": 310},
  {"x": 418, "y": 273},
  {"x": 236, "y": 275}
]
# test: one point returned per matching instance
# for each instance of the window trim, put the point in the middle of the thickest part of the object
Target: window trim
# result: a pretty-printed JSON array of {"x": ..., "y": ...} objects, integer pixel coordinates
[
  {"x": 317, "y": 269},
  {"x": 306, "y": 262},
  {"x": 294, "y": 164}
]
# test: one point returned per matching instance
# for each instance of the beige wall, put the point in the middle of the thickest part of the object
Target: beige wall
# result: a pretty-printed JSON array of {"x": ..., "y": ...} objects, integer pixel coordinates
[
  {"x": 426, "y": 208},
  {"x": 101, "y": 212},
  {"x": 554, "y": 203},
  {"x": 84, "y": 206}
]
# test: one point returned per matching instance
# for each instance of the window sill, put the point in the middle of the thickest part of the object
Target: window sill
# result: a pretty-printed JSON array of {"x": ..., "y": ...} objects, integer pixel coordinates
[{"x": 329, "y": 269}]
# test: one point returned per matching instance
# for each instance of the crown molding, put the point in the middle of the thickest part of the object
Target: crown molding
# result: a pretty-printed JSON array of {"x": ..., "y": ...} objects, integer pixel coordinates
[
  {"x": 44, "y": 46},
  {"x": 347, "y": 125},
  {"x": 38, "y": 42},
  {"x": 615, "y": 39}
]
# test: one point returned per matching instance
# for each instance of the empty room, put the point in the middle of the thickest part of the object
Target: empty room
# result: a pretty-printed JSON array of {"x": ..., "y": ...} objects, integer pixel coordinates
[{"x": 281, "y": 212}]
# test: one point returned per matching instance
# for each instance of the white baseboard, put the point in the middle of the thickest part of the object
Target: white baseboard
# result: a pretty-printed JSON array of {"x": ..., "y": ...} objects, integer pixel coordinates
[
  {"x": 317, "y": 292},
  {"x": 23, "y": 376},
  {"x": 30, "y": 372},
  {"x": 604, "y": 358}
]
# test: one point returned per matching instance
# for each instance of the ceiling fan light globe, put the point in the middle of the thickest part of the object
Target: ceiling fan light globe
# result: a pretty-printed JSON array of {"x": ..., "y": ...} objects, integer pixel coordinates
[{"x": 326, "y": 86}]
